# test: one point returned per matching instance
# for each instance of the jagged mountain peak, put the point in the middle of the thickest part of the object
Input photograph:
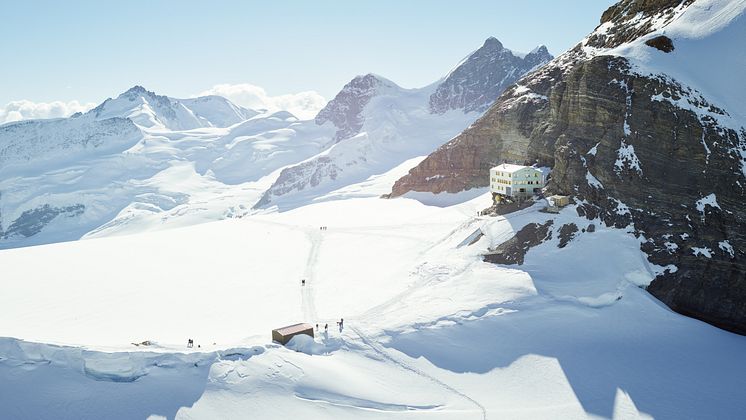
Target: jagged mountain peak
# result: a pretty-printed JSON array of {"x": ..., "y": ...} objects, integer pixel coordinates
[
  {"x": 369, "y": 80},
  {"x": 540, "y": 51},
  {"x": 538, "y": 56},
  {"x": 150, "y": 110},
  {"x": 482, "y": 76},
  {"x": 137, "y": 90},
  {"x": 541, "y": 48},
  {"x": 492, "y": 43},
  {"x": 345, "y": 110}
]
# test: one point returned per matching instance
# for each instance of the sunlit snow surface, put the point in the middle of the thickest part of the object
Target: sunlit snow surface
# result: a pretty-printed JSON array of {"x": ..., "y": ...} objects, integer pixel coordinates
[{"x": 430, "y": 330}]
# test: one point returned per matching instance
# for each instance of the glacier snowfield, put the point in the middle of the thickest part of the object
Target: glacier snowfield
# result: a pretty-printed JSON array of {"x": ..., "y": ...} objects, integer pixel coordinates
[
  {"x": 430, "y": 330},
  {"x": 150, "y": 220}
]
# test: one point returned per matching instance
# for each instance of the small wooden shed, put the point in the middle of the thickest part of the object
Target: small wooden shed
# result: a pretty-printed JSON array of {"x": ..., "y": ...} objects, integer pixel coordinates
[
  {"x": 560, "y": 200},
  {"x": 284, "y": 334}
]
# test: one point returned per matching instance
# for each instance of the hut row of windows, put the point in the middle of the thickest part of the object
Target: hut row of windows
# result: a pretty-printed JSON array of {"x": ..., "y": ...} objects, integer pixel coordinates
[
  {"x": 510, "y": 175},
  {"x": 501, "y": 188},
  {"x": 502, "y": 181}
]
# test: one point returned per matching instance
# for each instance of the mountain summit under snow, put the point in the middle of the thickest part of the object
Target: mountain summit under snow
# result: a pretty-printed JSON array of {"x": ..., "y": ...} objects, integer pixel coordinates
[
  {"x": 482, "y": 76},
  {"x": 345, "y": 110},
  {"x": 149, "y": 110}
]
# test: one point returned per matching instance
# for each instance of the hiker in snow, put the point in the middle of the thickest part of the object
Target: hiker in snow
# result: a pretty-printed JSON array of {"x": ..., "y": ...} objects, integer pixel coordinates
[
  {"x": 303, "y": 282},
  {"x": 326, "y": 327},
  {"x": 190, "y": 343},
  {"x": 317, "y": 327}
]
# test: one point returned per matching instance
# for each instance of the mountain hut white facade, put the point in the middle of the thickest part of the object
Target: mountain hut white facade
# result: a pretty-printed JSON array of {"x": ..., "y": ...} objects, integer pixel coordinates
[{"x": 515, "y": 181}]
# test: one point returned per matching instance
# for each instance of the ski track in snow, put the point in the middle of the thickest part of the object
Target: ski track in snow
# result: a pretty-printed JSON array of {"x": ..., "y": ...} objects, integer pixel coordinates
[
  {"x": 309, "y": 313},
  {"x": 380, "y": 350},
  {"x": 307, "y": 299}
]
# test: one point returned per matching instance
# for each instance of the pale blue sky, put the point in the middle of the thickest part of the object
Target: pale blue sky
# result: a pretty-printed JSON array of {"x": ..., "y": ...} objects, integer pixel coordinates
[{"x": 89, "y": 50}]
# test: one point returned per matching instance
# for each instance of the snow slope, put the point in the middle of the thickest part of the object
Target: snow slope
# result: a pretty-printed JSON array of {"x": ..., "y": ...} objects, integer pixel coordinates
[
  {"x": 705, "y": 55},
  {"x": 430, "y": 329},
  {"x": 396, "y": 125}
]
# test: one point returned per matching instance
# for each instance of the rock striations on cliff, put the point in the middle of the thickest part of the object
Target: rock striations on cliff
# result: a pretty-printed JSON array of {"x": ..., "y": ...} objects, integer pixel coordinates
[{"x": 643, "y": 122}]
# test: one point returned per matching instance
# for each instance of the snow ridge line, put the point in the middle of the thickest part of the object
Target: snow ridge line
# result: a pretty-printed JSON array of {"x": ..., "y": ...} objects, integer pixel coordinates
[{"x": 383, "y": 353}]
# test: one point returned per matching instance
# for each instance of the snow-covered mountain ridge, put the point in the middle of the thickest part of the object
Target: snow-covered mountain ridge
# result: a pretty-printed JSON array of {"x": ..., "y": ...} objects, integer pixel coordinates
[
  {"x": 52, "y": 141},
  {"x": 141, "y": 161},
  {"x": 380, "y": 124},
  {"x": 148, "y": 110}
]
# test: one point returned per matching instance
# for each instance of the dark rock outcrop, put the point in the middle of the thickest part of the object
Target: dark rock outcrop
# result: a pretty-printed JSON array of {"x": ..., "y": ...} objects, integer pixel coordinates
[
  {"x": 567, "y": 233},
  {"x": 639, "y": 151},
  {"x": 514, "y": 250},
  {"x": 631, "y": 19},
  {"x": 299, "y": 177},
  {"x": 31, "y": 222},
  {"x": 661, "y": 42}
]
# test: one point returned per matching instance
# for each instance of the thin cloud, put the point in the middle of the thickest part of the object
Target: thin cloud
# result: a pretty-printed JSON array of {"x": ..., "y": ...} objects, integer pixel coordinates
[
  {"x": 25, "y": 110},
  {"x": 304, "y": 105}
]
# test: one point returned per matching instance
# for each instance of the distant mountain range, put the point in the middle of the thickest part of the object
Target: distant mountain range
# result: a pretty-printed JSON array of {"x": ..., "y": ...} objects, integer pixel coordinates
[{"x": 141, "y": 160}]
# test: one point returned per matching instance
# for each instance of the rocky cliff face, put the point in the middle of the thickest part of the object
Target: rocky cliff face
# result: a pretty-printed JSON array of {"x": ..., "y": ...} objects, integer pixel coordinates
[
  {"x": 345, "y": 111},
  {"x": 635, "y": 148},
  {"x": 475, "y": 83}
]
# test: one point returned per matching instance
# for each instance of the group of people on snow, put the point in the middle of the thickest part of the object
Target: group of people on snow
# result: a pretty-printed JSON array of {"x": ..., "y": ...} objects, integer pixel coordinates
[{"x": 340, "y": 324}]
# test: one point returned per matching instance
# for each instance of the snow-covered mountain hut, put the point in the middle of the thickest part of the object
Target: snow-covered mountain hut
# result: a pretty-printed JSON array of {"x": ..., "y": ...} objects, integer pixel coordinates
[{"x": 515, "y": 181}]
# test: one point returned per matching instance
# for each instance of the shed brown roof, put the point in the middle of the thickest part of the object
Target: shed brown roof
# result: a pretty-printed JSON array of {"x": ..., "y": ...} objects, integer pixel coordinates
[{"x": 293, "y": 329}]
